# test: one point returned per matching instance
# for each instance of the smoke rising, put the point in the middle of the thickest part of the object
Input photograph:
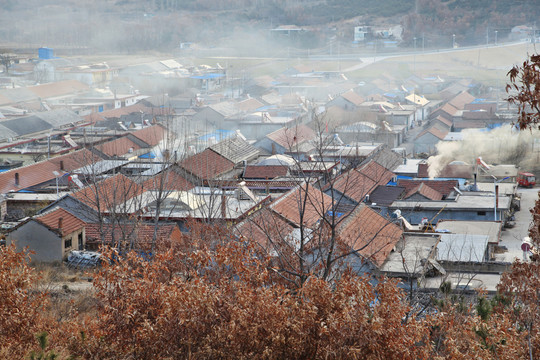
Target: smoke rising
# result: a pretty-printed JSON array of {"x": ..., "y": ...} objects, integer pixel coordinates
[{"x": 504, "y": 145}]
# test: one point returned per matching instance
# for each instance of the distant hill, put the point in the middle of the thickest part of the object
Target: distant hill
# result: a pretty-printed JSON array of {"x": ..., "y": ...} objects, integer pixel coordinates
[{"x": 135, "y": 25}]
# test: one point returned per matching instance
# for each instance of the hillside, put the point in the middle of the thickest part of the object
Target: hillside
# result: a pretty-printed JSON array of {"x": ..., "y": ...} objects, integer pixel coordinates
[{"x": 135, "y": 25}]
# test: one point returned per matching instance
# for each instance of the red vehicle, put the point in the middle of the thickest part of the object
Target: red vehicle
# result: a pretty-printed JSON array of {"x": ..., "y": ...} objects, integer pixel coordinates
[{"x": 526, "y": 179}]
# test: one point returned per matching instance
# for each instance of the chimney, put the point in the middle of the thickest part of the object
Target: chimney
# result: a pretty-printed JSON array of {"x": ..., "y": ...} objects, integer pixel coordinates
[
  {"x": 16, "y": 179},
  {"x": 60, "y": 223},
  {"x": 62, "y": 165},
  {"x": 223, "y": 205}
]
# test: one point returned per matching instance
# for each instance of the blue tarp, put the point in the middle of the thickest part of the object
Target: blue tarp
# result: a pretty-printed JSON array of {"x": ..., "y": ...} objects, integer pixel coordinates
[
  {"x": 394, "y": 183},
  {"x": 207, "y": 76},
  {"x": 218, "y": 135},
  {"x": 148, "y": 155}
]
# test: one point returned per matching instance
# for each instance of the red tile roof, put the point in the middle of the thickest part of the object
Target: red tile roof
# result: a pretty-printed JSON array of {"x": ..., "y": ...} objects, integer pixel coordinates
[
  {"x": 373, "y": 236},
  {"x": 377, "y": 172},
  {"x": 265, "y": 172},
  {"x": 444, "y": 120},
  {"x": 107, "y": 194},
  {"x": 169, "y": 180},
  {"x": 448, "y": 109},
  {"x": 304, "y": 202},
  {"x": 425, "y": 191},
  {"x": 353, "y": 97},
  {"x": 207, "y": 165},
  {"x": 433, "y": 131},
  {"x": 117, "y": 113},
  {"x": 462, "y": 99},
  {"x": 249, "y": 105},
  {"x": 42, "y": 171},
  {"x": 357, "y": 183},
  {"x": 139, "y": 232},
  {"x": 443, "y": 187},
  {"x": 289, "y": 138},
  {"x": 59, "y": 88},
  {"x": 265, "y": 228},
  {"x": 118, "y": 147},
  {"x": 151, "y": 135},
  {"x": 69, "y": 224}
]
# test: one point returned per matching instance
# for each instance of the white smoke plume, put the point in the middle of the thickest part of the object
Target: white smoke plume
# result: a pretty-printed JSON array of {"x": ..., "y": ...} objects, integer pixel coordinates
[{"x": 504, "y": 145}]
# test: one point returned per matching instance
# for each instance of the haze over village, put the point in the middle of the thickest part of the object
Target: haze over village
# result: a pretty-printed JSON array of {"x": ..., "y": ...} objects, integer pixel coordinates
[{"x": 324, "y": 146}]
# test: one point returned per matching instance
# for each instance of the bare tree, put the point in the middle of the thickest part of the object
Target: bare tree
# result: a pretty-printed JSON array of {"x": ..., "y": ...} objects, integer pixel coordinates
[
  {"x": 6, "y": 59},
  {"x": 316, "y": 228}
]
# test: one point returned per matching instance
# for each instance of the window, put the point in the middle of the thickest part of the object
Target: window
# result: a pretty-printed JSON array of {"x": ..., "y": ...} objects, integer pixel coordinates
[
  {"x": 481, "y": 213},
  {"x": 67, "y": 243}
]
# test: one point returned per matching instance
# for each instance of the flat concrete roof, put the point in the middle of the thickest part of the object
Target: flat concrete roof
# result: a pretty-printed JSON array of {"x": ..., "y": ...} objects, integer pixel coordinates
[
  {"x": 409, "y": 255},
  {"x": 490, "y": 228},
  {"x": 470, "y": 202},
  {"x": 465, "y": 281},
  {"x": 462, "y": 248}
]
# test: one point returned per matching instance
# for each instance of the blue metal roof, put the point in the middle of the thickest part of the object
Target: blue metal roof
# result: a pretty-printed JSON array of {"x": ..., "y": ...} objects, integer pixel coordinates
[{"x": 207, "y": 76}]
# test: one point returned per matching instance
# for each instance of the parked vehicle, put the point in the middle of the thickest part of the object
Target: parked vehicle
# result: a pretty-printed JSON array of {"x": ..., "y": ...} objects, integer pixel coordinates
[{"x": 526, "y": 179}]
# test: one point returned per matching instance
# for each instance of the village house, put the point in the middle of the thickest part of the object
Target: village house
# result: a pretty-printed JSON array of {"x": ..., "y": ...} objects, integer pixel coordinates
[{"x": 59, "y": 233}]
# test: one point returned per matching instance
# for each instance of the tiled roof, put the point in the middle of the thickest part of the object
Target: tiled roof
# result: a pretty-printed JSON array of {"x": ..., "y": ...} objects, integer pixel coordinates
[
  {"x": 168, "y": 181},
  {"x": 70, "y": 223},
  {"x": 135, "y": 108},
  {"x": 376, "y": 172},
  {"x": 443, "y": 187},
  {"x": 448, "y": 109},
  {"x": 462, "y": 99},
  {"x": 249, "y": 105},
  {"x": 385, "y": 195},
  {"x": 59, "y": 88},
  {"x": 425, "y": 191},
  {"x": 235, "y": 149},
  {"x": 352, "y": 97},
  {"x": 289, "y": 138},
  {"x": 108, "y": 193},
  {"x": 27, "y": 125},
  {"x": 265, "y": 172},
  {"x": 444, "y": 121},
  {"x": 151, "y": 135},
  {"x": 207, "y": 165},
  {"x": 371, "y": 234},
  {"x": 118, "y": 147},
  {"x": 42, "y": 171},
  {"x": 357, "y": 183},
  {"x": 433, "y": 131},
  {"x": 265, "y": 228},
  {"x": 139, "y": 232},
  {"x": 354, "y": 185},
  {"x": 304, "y": 200}
]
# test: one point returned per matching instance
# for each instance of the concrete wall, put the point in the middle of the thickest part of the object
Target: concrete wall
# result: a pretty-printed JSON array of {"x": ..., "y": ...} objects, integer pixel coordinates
[{"x": 47, "y": 245}]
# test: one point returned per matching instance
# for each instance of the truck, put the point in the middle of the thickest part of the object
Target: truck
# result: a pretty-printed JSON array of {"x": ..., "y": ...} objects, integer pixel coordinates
[{"x": 526, "y": 179}]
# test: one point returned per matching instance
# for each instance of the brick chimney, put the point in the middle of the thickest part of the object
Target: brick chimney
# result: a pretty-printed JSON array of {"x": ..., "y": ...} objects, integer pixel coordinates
[
  {"x": 62, "y": 165},
  {"x": 60, "y": 224},
  {"x": 16, "y": 179}
]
